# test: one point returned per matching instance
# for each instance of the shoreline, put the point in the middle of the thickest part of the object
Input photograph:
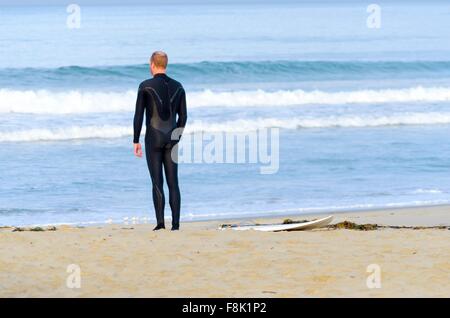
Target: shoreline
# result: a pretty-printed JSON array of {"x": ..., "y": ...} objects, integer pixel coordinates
[
  {"x": 118, "y": 260},
  {"x": 249, "y": 216},
  {"x": 344, "y": 212}
]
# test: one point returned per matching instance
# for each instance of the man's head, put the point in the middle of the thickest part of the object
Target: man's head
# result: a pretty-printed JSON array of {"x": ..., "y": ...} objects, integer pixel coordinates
[{"x": 158, "y": 62}]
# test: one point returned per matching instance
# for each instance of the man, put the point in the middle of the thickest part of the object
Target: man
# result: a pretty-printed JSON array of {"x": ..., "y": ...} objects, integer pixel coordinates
[{"x": 162, "y": 99}]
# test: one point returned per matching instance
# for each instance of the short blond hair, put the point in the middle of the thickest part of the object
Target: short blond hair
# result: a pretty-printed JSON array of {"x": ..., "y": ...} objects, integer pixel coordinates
[{"x": 159, "y": 59}]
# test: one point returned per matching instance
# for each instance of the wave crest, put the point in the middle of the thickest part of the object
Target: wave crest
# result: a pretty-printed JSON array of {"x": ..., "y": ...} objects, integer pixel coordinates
[
  {"x": 43, "y": 101},
  {"x": 243, "y": 125},
  {"x": 219, "y": 72}
]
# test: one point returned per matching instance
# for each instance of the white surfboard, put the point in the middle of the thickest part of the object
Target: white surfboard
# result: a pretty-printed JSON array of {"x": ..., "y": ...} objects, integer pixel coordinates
[{"x": 286, "y": 227}]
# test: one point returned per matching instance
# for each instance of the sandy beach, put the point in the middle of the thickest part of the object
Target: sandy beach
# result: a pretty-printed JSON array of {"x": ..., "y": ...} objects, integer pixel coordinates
[{"x": 201, "y": 261}]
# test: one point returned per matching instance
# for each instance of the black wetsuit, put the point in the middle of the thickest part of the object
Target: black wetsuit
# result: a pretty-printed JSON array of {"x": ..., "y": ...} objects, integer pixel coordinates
[{"x": 162, "y": 99}]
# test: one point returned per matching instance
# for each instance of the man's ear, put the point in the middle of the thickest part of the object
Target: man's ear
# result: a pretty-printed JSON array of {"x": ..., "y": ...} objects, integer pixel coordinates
[{"x": 151, "y": 67}]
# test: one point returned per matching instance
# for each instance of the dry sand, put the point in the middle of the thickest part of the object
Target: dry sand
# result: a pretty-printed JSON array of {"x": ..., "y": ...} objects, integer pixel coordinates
[{"x": 201, "y": 261}]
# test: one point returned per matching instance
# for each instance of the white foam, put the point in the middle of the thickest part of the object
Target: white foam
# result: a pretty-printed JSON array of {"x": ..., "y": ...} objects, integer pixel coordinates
[
  {"x": 301, "y": 97},
  {"x": 242, "y": 125},
  {"x": 44, "y": 101},
  {"x": 67, "y": 133},
  {"x": 428, "y": 191},
  {"x": 324, "y": 122}
]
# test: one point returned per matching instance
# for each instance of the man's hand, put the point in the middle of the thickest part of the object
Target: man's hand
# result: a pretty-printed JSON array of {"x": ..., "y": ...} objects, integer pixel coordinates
[{"x": 138, "y": 150}]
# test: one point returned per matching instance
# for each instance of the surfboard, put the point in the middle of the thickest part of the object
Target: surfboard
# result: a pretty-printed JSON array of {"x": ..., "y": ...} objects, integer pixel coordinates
[{"x": 286, "y": 227}]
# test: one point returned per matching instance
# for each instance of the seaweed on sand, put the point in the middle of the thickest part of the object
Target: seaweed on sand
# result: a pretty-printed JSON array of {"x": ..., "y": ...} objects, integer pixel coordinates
[
  {"x": 34, "y": 229},
  {"x": 370, "y": 227},
  {"x": 437, "y": 227},
  {"x": 353, "y": 226},
  {"x": 347, "y": 225}
]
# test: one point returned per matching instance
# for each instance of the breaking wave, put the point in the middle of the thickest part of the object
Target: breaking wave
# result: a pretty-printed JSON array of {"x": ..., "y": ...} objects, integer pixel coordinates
[
  {"x": 69, "y": 102},
  {"x": 242, "y": 125}
]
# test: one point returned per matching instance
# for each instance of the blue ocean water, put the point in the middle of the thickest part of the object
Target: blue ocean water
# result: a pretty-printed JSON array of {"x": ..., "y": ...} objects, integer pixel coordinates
[{"x": 364, "y": 114}]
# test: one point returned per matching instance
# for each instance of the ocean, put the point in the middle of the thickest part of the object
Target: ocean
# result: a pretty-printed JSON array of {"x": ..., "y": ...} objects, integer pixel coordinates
[{"x": 363, "y": 112}]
